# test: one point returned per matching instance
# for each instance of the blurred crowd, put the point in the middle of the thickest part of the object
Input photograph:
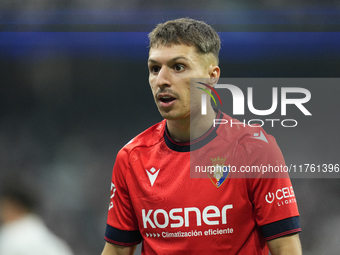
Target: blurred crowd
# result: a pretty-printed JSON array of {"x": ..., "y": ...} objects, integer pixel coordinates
[{"x": 63, "y": 119}]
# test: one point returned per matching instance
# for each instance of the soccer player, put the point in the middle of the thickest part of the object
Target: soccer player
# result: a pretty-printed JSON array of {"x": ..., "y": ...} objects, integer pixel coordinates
[
  {"x": 153, "y": 198},
  {"x": 23, "y": 231}
]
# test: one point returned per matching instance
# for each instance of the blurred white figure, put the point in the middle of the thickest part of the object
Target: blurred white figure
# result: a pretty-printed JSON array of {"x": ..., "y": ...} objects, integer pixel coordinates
[{"x": 23, "y": 232}]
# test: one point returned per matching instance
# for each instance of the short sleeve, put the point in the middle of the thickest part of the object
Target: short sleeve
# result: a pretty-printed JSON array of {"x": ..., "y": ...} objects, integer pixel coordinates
[
  {"x": 275, "y": 207},
  {"x": 272, "y": 194},
  {"x": 122, "y": 226}
]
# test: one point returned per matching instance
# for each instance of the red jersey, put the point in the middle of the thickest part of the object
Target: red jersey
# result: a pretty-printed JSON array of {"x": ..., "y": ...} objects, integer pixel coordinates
[{"x": 155, "y": 200}]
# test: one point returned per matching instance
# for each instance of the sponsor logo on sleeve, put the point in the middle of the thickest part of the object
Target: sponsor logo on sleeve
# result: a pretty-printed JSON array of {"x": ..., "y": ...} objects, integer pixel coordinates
[
  {"x": 270, "y": 197},
  {"x": 281, "y": 197}
]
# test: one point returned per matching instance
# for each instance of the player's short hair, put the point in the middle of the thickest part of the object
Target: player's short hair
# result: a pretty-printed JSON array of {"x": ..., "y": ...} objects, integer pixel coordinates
[
  {"x": 186, "y": 31},
  {"x": 24, "y": 198}
]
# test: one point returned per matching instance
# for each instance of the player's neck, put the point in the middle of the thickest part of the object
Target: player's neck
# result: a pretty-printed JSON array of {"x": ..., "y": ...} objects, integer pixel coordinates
[{"x": 180, "y": 130}]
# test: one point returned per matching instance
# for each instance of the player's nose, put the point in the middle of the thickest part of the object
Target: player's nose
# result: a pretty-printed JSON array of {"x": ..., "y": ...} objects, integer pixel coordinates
[{"x": 164, "y": 77}]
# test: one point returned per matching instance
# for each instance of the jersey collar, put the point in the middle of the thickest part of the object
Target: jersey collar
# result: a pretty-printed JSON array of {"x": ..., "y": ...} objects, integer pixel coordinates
[{"x": 195, "y": 144}]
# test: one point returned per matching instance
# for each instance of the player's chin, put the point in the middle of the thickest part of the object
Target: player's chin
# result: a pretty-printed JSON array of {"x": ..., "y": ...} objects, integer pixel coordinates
[{"x": 169, "y": 114}]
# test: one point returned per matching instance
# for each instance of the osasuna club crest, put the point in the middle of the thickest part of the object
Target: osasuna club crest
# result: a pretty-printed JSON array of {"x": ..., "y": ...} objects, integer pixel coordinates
[{"x": 220, "y": 173}]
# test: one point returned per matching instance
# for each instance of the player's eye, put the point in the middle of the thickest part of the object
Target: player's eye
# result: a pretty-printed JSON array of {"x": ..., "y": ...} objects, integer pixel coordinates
[
  {"x": 179, "y": 67},
  {"x": 155, "y": 69}
]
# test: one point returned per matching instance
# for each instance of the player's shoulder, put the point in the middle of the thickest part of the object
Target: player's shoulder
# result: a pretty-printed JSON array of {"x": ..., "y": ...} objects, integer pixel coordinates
[
  {"x": 147, "y": 138},
  {"x": 253, "y": 146},
  {"x": 244, "y": 134}
]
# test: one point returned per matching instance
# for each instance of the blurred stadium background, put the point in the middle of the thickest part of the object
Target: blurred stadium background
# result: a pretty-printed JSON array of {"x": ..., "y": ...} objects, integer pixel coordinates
[{"x": 74, "y": 89}]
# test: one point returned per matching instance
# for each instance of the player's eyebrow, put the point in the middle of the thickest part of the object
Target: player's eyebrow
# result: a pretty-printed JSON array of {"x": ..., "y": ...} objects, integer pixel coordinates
[{"x": 150, "y": 60}]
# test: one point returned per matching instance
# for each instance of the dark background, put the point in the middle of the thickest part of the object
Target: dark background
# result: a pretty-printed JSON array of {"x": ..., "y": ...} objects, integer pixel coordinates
[{"x": 74, "y": 89}]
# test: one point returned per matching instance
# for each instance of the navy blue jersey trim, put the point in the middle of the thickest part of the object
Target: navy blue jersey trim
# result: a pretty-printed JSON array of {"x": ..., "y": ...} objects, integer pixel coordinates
[
  {"x": 122, "y": 237},
  {"x": 281, "y": 228},
  {"x": 197, "y": 143}
]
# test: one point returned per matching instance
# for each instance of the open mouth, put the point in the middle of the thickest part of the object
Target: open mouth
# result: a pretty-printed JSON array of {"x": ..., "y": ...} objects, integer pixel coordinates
[{"x": 167, "y": 99}]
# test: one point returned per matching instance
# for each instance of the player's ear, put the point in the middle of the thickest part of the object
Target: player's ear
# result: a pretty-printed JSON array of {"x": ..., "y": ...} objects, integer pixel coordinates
[{"x": 214, "y": 73}]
